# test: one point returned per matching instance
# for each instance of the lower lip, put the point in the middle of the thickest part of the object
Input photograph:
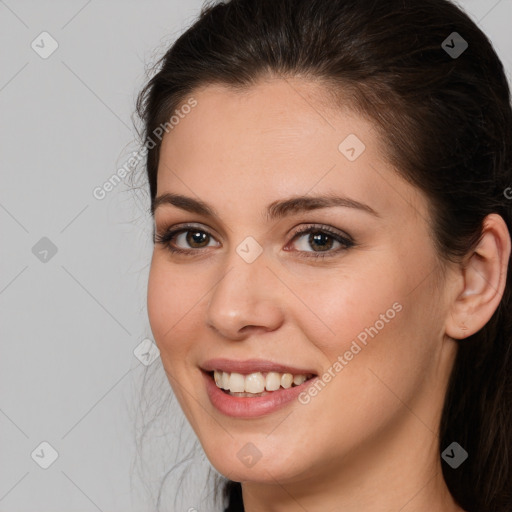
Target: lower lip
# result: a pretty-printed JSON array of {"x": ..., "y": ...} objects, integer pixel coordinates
[{"x": 248, "y": 407}]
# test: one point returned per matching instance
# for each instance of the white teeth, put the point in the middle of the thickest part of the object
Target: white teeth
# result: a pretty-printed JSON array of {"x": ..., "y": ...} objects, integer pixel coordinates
[
  {"x": 286, "y": 380},
  {"x": 299, "y": 379},
  {"x": 236, "y": 383},
  {"x": 273, "y": 381},
  {"x": 256, "y": 382}
]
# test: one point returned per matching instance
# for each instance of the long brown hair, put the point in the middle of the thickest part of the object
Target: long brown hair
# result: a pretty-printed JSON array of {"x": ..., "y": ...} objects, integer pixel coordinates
[{"x": 446, "y": 119}]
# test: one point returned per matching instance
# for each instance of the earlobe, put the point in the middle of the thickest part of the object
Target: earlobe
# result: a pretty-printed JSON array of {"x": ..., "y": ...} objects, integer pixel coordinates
[{"x": 483, "y": 275}]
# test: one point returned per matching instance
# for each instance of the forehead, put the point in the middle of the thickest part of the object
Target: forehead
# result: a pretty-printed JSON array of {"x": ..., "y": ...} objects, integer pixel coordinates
[
  {"x": 282, "y": 114},
  {"x": 276, "y": 139}
]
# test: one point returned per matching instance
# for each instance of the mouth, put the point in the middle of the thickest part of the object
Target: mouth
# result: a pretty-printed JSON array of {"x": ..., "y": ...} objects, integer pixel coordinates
[
  {"x": 252, "y": 395},
  {"x": 256, "y": 384},
  {"x": 253, "y": 388}
]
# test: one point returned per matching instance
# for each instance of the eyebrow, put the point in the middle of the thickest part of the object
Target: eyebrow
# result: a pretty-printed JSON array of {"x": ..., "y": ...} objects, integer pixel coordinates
[{"x": 275, "y": 210}]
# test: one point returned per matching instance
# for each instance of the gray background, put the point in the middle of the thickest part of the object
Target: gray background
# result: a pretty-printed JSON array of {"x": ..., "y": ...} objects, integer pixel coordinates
[{"x": 71, "y": 321}]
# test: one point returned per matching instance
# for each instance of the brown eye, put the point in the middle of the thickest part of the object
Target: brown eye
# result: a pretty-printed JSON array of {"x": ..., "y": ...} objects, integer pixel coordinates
[
  {"x": 187, "y": 239},
  {"x": 196, "y": 238},
  {"x": 321, "y": 240}
]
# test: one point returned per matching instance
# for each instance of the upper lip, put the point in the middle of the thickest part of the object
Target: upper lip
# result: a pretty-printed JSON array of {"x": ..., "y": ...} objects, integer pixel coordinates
[{"x": 251, "y": 366}]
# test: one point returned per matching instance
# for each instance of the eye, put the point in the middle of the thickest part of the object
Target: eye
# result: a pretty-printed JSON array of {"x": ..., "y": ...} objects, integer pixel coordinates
[
  {"x": 322, "y": 239},
  {"x": 192, "y": 237},
  {"x": 189, "y": 239}
]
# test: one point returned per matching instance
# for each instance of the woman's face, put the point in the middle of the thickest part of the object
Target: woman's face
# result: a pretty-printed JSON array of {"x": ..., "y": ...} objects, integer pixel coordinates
[{"x": 369, "y": 314}]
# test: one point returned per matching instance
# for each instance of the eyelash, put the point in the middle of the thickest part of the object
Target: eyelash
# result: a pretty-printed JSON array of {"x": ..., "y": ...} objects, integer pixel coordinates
[{"x": 168, "y": 235}]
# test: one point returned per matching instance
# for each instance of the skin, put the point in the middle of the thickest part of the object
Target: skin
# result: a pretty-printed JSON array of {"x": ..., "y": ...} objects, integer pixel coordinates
[{"x": 368, "y": 441}]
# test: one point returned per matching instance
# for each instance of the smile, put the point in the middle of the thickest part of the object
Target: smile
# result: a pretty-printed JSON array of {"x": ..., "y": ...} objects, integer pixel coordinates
[
  {"x": 256, "y": 384},
  {"x": 247, "y": 405}
]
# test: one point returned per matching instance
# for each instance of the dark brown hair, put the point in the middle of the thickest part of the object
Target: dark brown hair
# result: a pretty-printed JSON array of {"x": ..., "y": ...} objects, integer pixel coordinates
[{"x": 447, "y": 125}]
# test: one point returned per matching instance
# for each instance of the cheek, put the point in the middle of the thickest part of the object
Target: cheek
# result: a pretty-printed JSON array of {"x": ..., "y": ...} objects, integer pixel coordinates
[
  {"x": 171, "y": 298},
  {"x": 343, "y": 305},
  {"x": 373, "y": 363},
  {"x": 368, "y": 321},
  {"x": 172, "y": 302}
]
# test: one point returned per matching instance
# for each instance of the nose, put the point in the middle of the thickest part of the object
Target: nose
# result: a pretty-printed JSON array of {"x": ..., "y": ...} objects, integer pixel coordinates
[{"x": 246, "y": 299}]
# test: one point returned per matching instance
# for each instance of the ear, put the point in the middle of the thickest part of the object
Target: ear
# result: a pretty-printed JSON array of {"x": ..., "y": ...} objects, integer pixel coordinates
[{"x": 481, "y": 280}]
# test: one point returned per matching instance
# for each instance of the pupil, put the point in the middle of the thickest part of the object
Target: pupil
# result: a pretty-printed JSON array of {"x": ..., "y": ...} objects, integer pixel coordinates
[
  {"x": 320, "y": 238},
  {"x": 195, "y": 237}
]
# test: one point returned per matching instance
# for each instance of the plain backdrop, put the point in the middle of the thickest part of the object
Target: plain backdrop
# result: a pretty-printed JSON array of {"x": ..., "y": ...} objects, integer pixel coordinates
[{"x": 74, "y": 267}]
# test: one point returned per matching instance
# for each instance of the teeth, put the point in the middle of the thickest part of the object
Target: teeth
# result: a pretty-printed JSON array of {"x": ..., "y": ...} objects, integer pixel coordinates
[
  {"x": 256, "y": 382},
  {"x": 299, "y": 379},
  {"x": 225, "y": 381},
  {"x": 286, "y": 380},
  {"x": 273, "y": 381},
  {"x": 236, "y": 383}
]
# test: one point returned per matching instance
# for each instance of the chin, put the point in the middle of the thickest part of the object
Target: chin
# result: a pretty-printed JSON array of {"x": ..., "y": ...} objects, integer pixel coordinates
[{"x": 257, "y": 460}]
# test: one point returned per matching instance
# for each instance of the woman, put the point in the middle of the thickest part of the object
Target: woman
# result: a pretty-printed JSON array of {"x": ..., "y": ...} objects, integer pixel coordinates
[{"x": 330, "y": 285}]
